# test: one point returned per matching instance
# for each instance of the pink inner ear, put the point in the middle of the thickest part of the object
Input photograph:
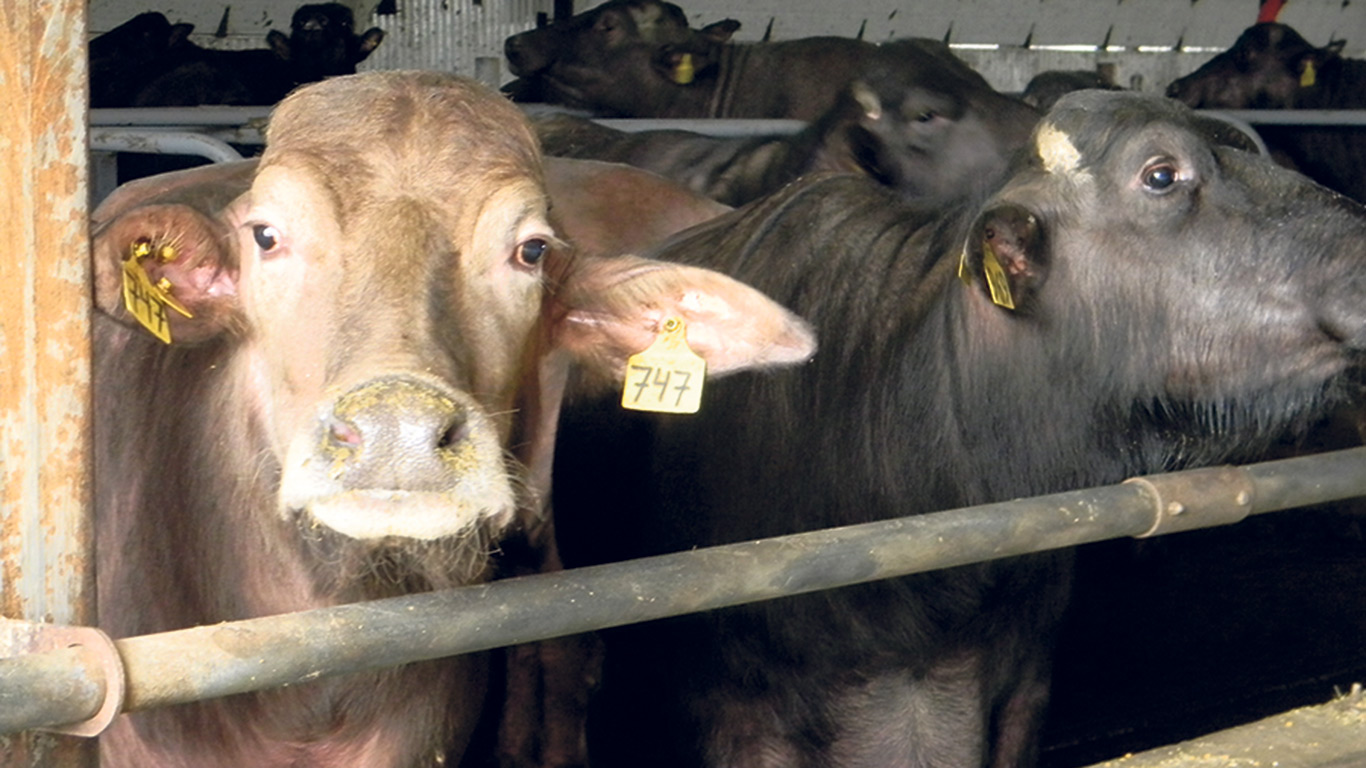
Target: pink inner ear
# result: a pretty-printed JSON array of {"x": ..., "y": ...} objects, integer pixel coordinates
[
  {"x": 189, "y": 258},
  {"x": 614, "y": 308}
]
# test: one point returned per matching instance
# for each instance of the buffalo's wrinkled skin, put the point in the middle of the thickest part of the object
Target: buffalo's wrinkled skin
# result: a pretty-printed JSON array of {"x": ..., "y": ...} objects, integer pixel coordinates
[
  {"x": 1270, "y": 66},
  {"x": 918, "y": 120},
  {"x": 362, "y": 400},
  {"x": 1177, "y": 303}
]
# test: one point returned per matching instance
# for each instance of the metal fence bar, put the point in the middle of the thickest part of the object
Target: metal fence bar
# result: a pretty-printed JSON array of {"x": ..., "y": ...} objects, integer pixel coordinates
[
  {"x": 222, "y": 659},
  {"x": 1324, "y": 117},
  {"x": 162, "y": 142},
  {"x": 46, "y": 563}
]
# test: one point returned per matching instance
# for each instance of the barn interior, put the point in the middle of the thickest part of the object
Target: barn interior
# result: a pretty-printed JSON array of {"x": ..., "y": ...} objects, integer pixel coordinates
[{"x": 1167, "y": 639}]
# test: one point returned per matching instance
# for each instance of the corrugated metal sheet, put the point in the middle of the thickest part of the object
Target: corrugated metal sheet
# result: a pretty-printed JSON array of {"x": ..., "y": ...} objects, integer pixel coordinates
[{"x": 463, "y": 36}]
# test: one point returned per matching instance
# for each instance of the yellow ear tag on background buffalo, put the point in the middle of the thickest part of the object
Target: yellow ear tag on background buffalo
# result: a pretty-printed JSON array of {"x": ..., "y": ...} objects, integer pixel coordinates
[
  {"x": 667, "y": 377},
  {"x": 145, "y": 301},
  {"x": 1307, "y": 75},
  {"x": 997, "y": 281},
  {"x": 683, "y": 71}
]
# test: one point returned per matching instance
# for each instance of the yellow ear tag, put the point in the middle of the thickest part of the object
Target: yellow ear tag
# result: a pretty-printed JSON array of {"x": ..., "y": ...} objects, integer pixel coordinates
[
  {"x": 145, "y": 301},
  {"x": 1307, "y": 75},
  {"x": 997, "y": 282},
  {"x": 683, "y": 71},
  {"x": 963, "y": 267},
  {"x": 667, "y": 377}
]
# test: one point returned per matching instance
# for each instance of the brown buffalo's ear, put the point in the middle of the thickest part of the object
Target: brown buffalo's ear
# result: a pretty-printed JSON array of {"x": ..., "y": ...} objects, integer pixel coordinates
[
  {"x": 169, "y": 230},
  {"x": 606, "y": 310},
  {"x": 1005, "y": 255}
]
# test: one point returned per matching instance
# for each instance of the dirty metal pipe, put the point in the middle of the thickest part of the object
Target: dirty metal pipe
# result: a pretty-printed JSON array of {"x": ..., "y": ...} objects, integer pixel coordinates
[
  {"x": 1323, "y": 117},
  {"x": 211, "y": 661},
  {"x": 178, "y": 116},
  {"x": 162, "y": 142}
]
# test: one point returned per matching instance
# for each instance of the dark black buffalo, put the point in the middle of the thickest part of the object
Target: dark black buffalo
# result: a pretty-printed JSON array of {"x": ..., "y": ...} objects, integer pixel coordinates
[
  {"x": 1271, "y": 66},
  {"x": 1047, "y": 87},
  {"x": 918, "y": 120},
  {"x": 639, "y": 58},
  {"x": 127, "y": 57},
  {"x": 147, "y": 62},
  {"x": 1163, "y": 301}
]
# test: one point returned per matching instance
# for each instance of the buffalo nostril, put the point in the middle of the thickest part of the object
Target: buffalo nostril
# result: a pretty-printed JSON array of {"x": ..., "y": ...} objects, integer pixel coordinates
[
  {"x": 343, "y": 434},
  {"x": 453, "y": 435}
]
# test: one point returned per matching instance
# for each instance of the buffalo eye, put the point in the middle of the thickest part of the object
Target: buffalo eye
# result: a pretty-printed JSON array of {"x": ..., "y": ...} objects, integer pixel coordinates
[
  {"x": 531, "y": 252},
  {"x": 926, "y": 116},
  {"x": 267, "y": 237},
  {"x": 1159, "y": 177}
]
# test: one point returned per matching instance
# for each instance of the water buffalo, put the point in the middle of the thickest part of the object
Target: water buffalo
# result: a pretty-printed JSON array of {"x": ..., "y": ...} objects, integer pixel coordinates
[
  {"x": 357, "y": 399},
  {"x": 593, "y": 61},
  {"x": 1271, "y": 66},
  {"x": 127, "y": 57},
  {"x": 1133, "y": 297},
  {"x": 1047, "y": 87},
  {"x": 147, "y": 62},
  {"x": 917, "y": 119}
]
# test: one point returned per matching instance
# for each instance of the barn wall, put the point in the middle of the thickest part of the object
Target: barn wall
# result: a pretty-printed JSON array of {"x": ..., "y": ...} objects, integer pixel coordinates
[{"x": 1149, "y": 42}]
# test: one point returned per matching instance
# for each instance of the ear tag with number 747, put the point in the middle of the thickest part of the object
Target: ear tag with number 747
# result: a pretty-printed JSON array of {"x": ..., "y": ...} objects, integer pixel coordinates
[{"x": 667, "y": 377}]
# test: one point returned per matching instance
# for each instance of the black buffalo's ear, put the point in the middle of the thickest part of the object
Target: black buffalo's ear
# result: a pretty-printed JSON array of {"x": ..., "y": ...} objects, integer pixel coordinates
[
  {"x": 720, "y": 31},
  {"x": 165, "y": 259},
  {"x": 279, "y": 44},
  {"x": 1005, "y": 255},
  {"x": 369, "y": 41}
]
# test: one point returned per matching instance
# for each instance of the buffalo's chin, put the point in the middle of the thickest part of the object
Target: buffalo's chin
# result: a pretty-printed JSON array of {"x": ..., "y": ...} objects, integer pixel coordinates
[{"x": 346, "y": 568}]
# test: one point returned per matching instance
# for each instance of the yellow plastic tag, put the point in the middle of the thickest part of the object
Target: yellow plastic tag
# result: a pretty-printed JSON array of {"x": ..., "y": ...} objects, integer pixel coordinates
[
  {"x": 668, "y": 376},
  {"x": 963, "y": 267},
  {"x": 140, "y": 297},
  {"x": 145, "y": 301},
  {"x": 683, "y": 71},
  {"x": 1307, "y": 75},
  {"x": 997, "y": 281}
]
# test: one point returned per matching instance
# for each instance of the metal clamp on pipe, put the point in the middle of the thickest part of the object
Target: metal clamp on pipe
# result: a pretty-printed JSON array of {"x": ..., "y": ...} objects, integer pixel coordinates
[
  {"x": 1198, "y": 498},
  {"x": 95, "y": 683}
]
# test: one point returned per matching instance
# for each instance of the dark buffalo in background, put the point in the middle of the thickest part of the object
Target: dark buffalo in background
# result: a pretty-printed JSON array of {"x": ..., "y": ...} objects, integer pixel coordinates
[
  {"x": 1047, "y": 87},
  {"x": 1175, "y": 303},
  {"x": 136, "y": 52},
  {"x": 147, "y": 62},
  {"x": 596, "y": 62},
  {"x": 359, "y": 399},
  {"x": 917, "y": 119},
  {"x": 1270, "y": 66}
]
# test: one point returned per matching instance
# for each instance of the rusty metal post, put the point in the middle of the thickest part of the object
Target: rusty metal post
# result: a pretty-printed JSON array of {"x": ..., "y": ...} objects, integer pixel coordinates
[{"x": 46, "y": 568}]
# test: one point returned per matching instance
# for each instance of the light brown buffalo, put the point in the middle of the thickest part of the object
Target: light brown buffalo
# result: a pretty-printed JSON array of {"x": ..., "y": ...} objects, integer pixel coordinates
[{"x": 382, "y": 318}]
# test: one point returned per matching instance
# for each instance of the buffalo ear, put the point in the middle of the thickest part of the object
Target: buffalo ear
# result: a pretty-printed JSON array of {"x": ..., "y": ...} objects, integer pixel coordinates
[
  {"x": 369, "y": 41},
  {"x": 720, "y": 31},
  {"x": 172, "y": 226},
  {"x": 606, "y": 310},
  {"x": 279, "y": 44},
  {"x": 1006, "y": 256}
]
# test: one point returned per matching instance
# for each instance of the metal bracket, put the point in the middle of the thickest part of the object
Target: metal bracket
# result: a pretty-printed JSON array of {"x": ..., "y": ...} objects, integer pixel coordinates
[
  {"x": 1198, "y": 498},
  {"x": 22, "y": 637}
]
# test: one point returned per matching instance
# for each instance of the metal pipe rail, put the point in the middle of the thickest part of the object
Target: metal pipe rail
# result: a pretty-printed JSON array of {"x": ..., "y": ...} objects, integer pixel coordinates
[{"x": 219, "y": 660}]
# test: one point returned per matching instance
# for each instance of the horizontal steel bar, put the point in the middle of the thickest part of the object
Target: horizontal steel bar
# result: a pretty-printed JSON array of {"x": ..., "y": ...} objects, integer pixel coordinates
[
  {"x": 178, "y": 116},
  {"x": 222, "y": 659},
  {"x": 162, "y": 142},
  {"x": 1325, "y": 117}
]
